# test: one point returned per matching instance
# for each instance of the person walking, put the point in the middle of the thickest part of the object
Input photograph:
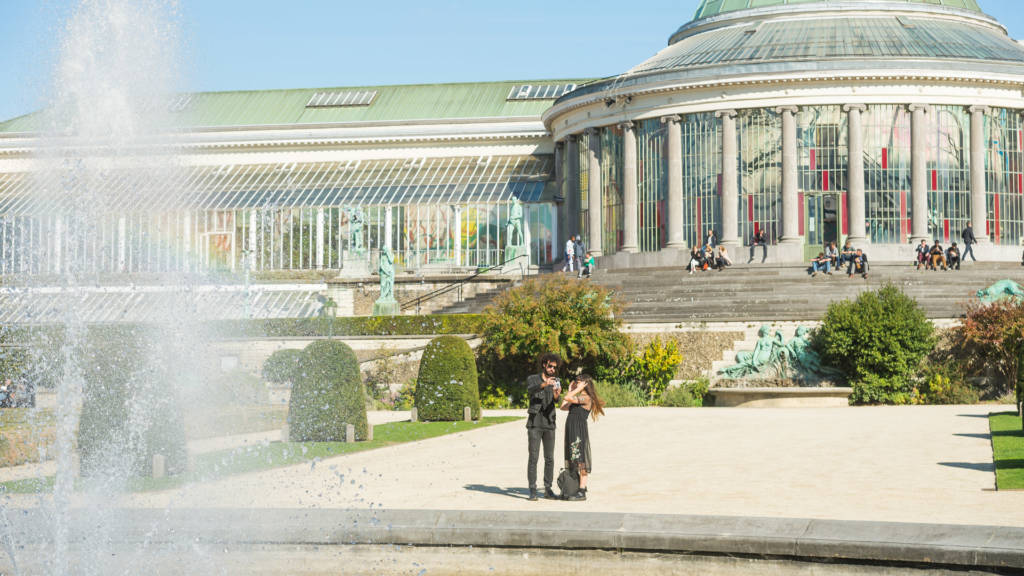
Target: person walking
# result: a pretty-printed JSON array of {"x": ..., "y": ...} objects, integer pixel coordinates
[
  {"x": 969, "y": 242},
  {"x": 543, "y": 390},
  {"x": 570, "y": 256},
  {"x": 581, "y": 401},
  {"x": 578, "y": 252}
]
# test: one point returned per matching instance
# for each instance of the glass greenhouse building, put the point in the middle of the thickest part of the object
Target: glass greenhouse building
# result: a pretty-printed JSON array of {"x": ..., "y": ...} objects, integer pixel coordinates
[{"x": 879, "y": 121}]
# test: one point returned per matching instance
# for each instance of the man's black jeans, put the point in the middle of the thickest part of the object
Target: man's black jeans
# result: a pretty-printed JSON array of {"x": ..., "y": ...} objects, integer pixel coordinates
[{"x": 547, "y": 437}]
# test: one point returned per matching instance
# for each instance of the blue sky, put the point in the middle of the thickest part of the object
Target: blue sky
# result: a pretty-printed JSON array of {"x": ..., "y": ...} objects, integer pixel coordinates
[{"x": 262, "y": 44}]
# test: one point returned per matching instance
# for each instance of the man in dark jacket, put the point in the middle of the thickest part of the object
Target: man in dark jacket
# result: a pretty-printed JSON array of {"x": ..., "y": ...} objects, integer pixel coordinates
[
  {"x": 969, "y": 242},
  {"x": 859, "y": 264},
  {"x": 542, "y": 390},
  {"x": 759, "y": 239}
]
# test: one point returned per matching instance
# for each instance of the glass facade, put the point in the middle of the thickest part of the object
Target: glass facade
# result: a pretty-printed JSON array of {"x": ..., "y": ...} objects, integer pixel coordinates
[
  {"x": 822, "y": 148},
  {"x": 612, "y": 234},
  {"x": 887, "y": 173},
  {"x": 449, "y": 211},
  {"x": 1004, "y": 174},
  {"x": 652, "y": 182},
  {"x": 949, "y": 178},
  {"x": 759, "y": 133},
  {"x": 702, "y": 176}
]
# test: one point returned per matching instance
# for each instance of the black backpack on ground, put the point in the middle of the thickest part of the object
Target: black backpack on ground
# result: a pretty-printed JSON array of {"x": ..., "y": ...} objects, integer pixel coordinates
[{"x": 568, "y": 483}]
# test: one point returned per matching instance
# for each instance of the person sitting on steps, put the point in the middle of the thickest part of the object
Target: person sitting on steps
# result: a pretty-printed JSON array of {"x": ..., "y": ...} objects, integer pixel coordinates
[
  {"x": 588, "y": 266},
  {"x": 858, "y": 265},
  {"x": 953, "y": 256},
  {"x": 759, "y": 239},
  {"x": 696, "y": 259},
  {"x": 723, "y": 259},
  {"x": 937, "y": 257},
  {"x": 921, "y": 253},
  {"x": 832, "y": 253},
  {"x": 819, "y": 263},
  {"x": 846, "y": 255}
]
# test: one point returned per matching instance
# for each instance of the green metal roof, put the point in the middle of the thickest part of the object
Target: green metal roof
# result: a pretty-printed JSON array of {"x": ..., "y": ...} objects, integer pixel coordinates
[
  {"x": 392, "y": 103},
  {"x": 866, "y": 38},
  {"x": 709, "y": 8}
]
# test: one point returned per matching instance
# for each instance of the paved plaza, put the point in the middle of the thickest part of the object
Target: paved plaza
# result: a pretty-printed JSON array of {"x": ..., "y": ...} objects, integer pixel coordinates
[{"x": 926, "y": 464}]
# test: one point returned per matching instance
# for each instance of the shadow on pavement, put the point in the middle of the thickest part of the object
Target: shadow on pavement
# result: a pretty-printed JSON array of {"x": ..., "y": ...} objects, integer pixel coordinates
[
  {"x": 979, "y": 466},
  {"x": 973, "y": 415},
  {"x": 521, "y": 493},
  {"x": 974, "y": 435}
]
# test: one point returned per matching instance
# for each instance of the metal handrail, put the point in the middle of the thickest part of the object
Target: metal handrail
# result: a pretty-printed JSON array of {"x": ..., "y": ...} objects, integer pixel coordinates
[{"x": 419, "y": 300}]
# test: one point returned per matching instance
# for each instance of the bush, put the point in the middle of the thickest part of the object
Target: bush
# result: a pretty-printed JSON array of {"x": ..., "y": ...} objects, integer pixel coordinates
[
  {"x": 653, "y": 368},
  {"x": 576, "y": 320},
  {"x": 129, "y": 410},
  {"x": 877, "y": 341},
  {"x": 327, "y": 395},
  {"x": 991, "y": 337},
  {"x": 944, "y": 384},
  {"x": 447, "y": 381},
  {"x": 685, "y": 395},
  {"x": 236, "y": 387},
  {"x": 874, "y": 389},
  {"x": 282, "y": 366},
  {"x": 616, "y": 395}
]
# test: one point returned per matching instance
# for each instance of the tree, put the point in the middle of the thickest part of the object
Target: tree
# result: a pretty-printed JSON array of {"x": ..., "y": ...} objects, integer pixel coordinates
[
  {"x": 577, "y": 320},
  {"x": 327, "y": 394}
]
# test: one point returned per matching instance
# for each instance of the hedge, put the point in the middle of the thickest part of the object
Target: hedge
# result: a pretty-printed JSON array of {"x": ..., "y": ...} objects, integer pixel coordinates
[
  {"x": 327, "y": 395},
  {"x": 350, "y": 326},
  {"x": 447, "y": 381}
]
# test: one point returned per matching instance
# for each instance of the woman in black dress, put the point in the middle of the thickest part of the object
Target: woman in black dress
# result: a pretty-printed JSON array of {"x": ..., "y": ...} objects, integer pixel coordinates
[{"x": 581, "y": 401}]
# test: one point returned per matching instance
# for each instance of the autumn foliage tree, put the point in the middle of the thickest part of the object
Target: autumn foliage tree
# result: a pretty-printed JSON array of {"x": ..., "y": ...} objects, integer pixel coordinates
[
  {"x": 577, "y": 320},
  {"x": 992, "y": 335}
]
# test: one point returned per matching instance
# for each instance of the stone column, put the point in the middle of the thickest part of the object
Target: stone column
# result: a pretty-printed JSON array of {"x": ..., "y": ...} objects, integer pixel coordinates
[
  {"x": 675, "y": 182},
  {"x": 730, "y": 182},
  {"x": 122, "y": 244},
  {"x": 790, "y": 197},
  {"x": 562, "y": 213},
  {"x": 593, "y": 243},
  {"x": 58, "y": 244},
  {"x": 320, "y": 238},
  {"x": 457, "y": 211},
  {"x": 918, "y": 175},
  {"x": 630, "y": 195},
  {"x": 387, "y": 227},
  {"x": 979, "y": 206},
  {"x": 572, "y": 200},
  {"x": 855, "y": 174},
  {"x": 253, "y": 224}
]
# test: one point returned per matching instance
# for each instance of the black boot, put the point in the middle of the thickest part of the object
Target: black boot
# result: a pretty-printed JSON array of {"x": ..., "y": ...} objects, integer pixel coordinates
[
  {"x": 549, "y": 494},
  {"x": 533, "y": 494}
]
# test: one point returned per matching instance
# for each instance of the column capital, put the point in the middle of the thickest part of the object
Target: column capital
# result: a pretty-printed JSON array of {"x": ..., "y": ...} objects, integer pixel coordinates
[
  {"x": 979, "y": 108},
  {"x": 626, "y": 125},
  {"x": 790, "y": 109},
  {"x": 725, "y": 113},
  {"x": 923, "y": 107},
  {"x": 857, "y": 107},
  {"x": 675, "y": 118}
]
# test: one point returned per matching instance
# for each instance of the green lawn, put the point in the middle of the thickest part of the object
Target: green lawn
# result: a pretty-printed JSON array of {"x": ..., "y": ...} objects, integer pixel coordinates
[
  {"x": 224, "y": 463},
  {"x": 1008, "y": 450}
]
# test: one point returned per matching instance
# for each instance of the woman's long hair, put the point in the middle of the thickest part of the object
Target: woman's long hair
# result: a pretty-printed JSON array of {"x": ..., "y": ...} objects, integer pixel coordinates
[{"x": 596, "y": 404}]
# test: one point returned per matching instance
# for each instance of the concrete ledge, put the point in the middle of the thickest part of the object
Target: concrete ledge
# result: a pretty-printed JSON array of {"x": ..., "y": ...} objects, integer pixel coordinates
[
  {"x": 790, "y": 397},
  {"x": 880, "y": 543}
]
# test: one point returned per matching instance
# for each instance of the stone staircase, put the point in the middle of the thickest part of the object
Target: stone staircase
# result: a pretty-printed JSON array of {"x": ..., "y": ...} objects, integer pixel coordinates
[
  {"x": 758, "y": 293},
  {"x": 476, "y": 303}
]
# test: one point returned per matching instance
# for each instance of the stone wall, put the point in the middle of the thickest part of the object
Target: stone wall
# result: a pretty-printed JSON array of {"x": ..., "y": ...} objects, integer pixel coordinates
[{"x": 698, "y": 348}]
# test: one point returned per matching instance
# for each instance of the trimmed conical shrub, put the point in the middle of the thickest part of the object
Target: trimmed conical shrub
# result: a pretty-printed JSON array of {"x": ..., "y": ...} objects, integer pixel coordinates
[
  {"x": 447, "y": 381},
  {"x": 130, "y": 410},
  {"x": 327, "y": 394}
]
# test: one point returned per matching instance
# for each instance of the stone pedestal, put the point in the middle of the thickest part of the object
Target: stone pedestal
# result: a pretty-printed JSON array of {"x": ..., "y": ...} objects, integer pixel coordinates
[
  {"x": 354, "y": 266},
  {"x": 386, "y": 307}
]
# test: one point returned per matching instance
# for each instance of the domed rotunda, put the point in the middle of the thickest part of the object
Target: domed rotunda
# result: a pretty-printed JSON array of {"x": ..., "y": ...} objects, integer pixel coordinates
[{"x": 882, "y": 122}]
